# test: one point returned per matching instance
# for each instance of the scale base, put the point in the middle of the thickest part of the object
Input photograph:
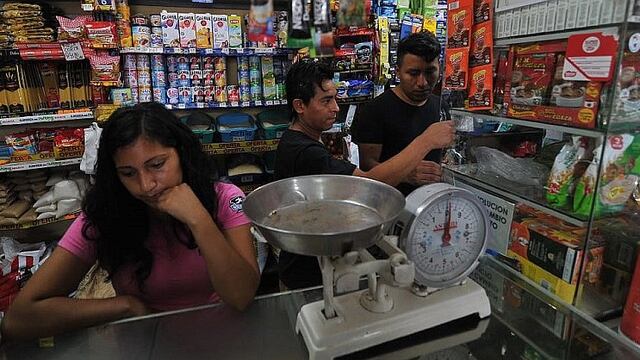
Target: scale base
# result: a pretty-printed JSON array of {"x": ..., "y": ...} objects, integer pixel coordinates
[{"x": 355, "y": 328}]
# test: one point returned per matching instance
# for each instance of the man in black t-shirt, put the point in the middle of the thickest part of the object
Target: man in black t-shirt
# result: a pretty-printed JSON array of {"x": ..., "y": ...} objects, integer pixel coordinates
[
  {"x": 390, "y": 122},
  {"x": 311, "y": 96}
]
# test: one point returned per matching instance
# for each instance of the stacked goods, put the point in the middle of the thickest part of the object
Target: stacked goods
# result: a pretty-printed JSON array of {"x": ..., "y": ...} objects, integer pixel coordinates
[
  {"x": 195, "y": 80},
  {"x": 31, "y": 86},
  {"x": 38, "y": 144},
  {"x": 26, "y": 197},
  {"x": 24, "y": 23},
  {"x": 19, "y": 263}
]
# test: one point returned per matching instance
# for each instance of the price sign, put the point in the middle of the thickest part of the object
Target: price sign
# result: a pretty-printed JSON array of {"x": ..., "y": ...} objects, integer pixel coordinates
[{"x": 72, "y": 51}]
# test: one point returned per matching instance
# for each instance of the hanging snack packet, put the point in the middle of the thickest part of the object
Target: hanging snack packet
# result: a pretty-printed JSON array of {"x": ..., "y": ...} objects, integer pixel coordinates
[
  {"x": 102, "y": 34},
  {"x": 353, "y": 12},
  {"x": 560, "y": 183},
  {"x": 104, "y": 67},
  {"x": 459, "y": 21},
  {"x": 261, "y": 22},
  {"x": 456, "y": 68},
  {"x": 482, "y": 11},
  {"x": 481, "y": 44},
  {"x": 481, "y": 88},
  {"x": 300, "y": 17},
  {"x": 72, "y": 29},
  {"x": 616, "y": 181}
]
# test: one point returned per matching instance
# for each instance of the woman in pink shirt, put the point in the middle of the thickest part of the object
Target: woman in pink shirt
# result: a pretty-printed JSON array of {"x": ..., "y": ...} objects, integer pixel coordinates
[{"x": 168, "y": 233}]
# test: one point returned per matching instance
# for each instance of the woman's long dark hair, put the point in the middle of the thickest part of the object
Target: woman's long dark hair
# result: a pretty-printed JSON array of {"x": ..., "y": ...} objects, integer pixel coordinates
[{"x": 118, "y": 222}]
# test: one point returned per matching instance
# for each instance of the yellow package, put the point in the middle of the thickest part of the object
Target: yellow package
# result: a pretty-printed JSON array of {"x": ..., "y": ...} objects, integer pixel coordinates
[{"x": 203, "y": 31}]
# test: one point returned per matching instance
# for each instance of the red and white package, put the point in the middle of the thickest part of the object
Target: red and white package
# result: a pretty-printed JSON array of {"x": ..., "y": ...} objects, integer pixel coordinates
[
  {"x": 17, "y": 267},
  {"x": 72, "y": 29},
  {"x": 102, "y": 34},
  {"x": 104, "y": 67},
  {"x": 69, "y": 137}
]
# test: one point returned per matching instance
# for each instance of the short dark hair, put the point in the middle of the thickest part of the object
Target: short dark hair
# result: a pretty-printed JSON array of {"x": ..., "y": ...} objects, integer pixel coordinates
[
  {"x": 302, "y": 78},
  {"x": 117, "y": 221},
  {"x": 423, "y": 44}
]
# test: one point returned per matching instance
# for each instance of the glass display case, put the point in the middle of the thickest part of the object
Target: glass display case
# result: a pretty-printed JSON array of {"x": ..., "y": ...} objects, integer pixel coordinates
[{"x": 550, "y": 144}]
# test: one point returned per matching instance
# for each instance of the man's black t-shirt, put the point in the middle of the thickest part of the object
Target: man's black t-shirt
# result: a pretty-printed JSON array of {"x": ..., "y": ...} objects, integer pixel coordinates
[
  {"x": 391, "y": 122},
  {"x": 299, "y": 155}
]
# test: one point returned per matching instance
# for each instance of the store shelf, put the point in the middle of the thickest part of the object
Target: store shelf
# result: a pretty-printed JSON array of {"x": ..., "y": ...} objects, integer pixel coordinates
[
  {"x": 242, "y": 104},
  {"x": 39, "y": 223},
  {"x": 238, "y": 147},
  {"x": 522, "y": 334},
  {"x": 560, "y": 35},
  {"x": 534, "y": 124},
  {"x": 31, "y": 165},
  {"x": 353, "y": 100},
  {"x": 218, "y": 52},
  {"x": 46, "y": 118},
  {"x": 353, "y": 71},
  {"x": 528, "y": 195}
]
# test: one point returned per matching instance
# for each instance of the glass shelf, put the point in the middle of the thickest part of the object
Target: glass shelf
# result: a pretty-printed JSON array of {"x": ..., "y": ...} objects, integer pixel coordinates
[{"x": 530, "y": 195}]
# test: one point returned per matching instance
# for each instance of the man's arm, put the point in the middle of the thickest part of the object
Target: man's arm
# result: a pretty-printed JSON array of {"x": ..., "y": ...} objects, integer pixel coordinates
[{"x": 369, "y": 155}]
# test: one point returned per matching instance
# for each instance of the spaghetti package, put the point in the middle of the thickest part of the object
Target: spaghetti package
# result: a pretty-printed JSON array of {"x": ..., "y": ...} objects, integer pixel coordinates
[{"x": 456, "y": 68}]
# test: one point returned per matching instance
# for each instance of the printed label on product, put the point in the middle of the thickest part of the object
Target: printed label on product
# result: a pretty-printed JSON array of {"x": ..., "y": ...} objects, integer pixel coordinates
[{"x": 590, "y": 57}]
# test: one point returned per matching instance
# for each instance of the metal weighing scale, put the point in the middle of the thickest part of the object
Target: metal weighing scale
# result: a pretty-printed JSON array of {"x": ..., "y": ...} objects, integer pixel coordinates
[{"x": 336, "y": 218}]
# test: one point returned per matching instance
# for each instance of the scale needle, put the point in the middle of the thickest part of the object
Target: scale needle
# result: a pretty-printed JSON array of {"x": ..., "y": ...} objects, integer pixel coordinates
[{"x": 446, "y": 237}]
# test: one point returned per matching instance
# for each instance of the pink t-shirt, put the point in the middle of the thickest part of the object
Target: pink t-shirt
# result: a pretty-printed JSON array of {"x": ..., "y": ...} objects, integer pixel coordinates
[{"x": 178, "y": 277}]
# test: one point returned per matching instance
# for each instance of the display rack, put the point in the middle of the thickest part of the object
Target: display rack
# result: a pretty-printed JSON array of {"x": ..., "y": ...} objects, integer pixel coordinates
[{"x": 32, "y": 165}]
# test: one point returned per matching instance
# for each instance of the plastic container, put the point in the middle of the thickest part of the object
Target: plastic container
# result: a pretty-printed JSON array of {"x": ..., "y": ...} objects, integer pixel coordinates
[
  {"x": 245, "y": 169},
  {"x": 274, "y": 123},
  {"x": 236, "y": 126},
  {"x": 201, "y": 124}
]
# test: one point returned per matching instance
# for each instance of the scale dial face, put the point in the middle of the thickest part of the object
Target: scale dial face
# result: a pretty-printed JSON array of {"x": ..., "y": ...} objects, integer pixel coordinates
[{"x": 446, "y": 238}]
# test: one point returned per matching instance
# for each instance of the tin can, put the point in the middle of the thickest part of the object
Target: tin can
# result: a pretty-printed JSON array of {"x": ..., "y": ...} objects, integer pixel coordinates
[
  {"x": 207, "y": 63},
  {"x": 220, "y": 78},
  {"x": 129, "y": 62},
  {"x": 145, "y": 94},
  {"x": 155, "y": 20},
  {"x": 208, "y": 77},
  {"x": 184, "y": 95},
  {"x": 172, "y": 79},
  {"x": 131, "y": 78},
  {"x": 254, "y": 63},
  {"x": 139, "y": 20},
  {"x": 156, "y": 37},
  {"x": 142, "y": 62},
  {"x": 157, "y": 62},
  {"x": 245, "y": 93},
  {"x": 144, "y": 78},
  {"x": 172, "y": 95},
  {"x": 209, "y": 94},
  {"x": 243, "y": 78},
  {"x": 219, "y": 63},
  {"x": 158, "y": 79},
  {"x": 196, "y": 77},
  {"x": 172, "y": 63},
  {"x": 134, "y": 95},
  {"x": 233, "y": 93},
  {"x": 141, "y": 35},
  {"x": 194, "y": 62},
  {"x": 255, "y": 77},
  {"x": 184, "y": 78},
  {"x": 198, "y": 94},
  {"x": 221, "y": 94},
  {"x": 160, "y": 95},
  {"x": 256, "y": 92},
  {"x": 183, "y": 62},
  {"x": 243, "y": 63}
]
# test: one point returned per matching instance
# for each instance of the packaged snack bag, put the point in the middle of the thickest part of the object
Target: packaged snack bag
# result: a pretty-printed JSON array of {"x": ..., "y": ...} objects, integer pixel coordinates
[
  {"x": 482, "y": 11},
  {"x": 456, "y": 68},
  {"x": 560, "y": 183},
  {"x": 481, "y": 88},
  {"x": 459, "y": 21},
  {"x": 617, "y": 180},
  {"x": 481, "y": 44}
]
